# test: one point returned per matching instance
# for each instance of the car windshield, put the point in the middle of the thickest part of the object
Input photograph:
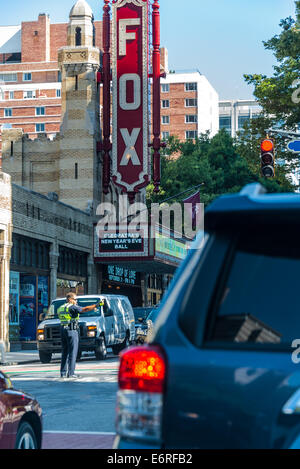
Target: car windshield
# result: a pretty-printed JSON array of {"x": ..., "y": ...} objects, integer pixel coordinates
[
  {"x": 153, "y": 315},
  {"x": 141, "y": 313},
  {"x": 52, "y": 311}
]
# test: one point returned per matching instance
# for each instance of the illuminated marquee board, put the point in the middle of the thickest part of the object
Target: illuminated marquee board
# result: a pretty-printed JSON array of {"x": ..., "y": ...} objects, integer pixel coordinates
[{"x": 130, "y": 121}]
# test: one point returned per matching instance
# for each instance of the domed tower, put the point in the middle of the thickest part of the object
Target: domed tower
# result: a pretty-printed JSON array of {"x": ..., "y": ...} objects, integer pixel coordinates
[
  {"x": 80, "y": 129},
  {"x": 81, "y": 29}
]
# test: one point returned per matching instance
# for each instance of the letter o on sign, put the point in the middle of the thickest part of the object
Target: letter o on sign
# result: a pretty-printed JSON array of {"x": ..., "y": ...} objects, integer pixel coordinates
[{"x": 136, "y": 92}]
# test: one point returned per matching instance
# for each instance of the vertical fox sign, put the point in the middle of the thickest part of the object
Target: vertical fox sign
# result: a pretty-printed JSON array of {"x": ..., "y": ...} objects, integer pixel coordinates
[{"x": 130, "y": 80}]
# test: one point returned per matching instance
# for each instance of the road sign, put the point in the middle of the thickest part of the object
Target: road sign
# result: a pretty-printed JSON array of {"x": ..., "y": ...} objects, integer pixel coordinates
[{"x": 294, "y": 146}]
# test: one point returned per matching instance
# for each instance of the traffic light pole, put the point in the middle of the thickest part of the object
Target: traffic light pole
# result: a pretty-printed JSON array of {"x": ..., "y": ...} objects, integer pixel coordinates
[{"x": 283, "y": 132}]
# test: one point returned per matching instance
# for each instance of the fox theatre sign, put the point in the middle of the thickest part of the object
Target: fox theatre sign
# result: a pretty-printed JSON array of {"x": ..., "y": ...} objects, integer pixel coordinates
[{"x": 130, "y": 164}]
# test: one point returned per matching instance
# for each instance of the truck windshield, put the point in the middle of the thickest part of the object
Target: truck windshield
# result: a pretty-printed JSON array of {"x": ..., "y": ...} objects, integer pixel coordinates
[{"x": 52, "y": 311}]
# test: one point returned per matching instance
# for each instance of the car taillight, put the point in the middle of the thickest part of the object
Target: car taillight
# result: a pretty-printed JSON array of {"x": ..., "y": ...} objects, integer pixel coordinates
[
  {"x": 142, "y": 369},
  {"x": 142, "y": 374}
]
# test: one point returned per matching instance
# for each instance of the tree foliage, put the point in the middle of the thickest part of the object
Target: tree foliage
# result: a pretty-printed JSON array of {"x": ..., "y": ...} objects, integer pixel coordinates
[
  {"x": 224, "y": 165},
  {"x": 279, "y": 95}
]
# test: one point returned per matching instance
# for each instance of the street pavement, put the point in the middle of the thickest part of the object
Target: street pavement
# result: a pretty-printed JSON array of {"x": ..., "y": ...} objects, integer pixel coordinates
[{"x": 77, "y": 414}]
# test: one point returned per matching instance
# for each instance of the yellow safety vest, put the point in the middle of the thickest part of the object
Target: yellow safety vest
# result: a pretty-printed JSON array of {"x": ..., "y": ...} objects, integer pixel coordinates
[{"x": 64, "y": 315}]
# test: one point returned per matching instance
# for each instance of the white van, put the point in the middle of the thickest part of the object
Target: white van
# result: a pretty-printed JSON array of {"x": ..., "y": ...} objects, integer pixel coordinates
[{"x": 111, "y": 325}]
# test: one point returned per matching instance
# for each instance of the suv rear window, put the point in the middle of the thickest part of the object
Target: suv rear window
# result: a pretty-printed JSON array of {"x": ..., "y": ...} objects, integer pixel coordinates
[{"x": 258, "y": 302}]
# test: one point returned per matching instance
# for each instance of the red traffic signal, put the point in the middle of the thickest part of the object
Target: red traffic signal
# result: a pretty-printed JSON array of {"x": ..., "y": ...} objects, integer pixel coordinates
[
  {"x": 267, "y": 158},
  {"x": 267, "y": 145}
]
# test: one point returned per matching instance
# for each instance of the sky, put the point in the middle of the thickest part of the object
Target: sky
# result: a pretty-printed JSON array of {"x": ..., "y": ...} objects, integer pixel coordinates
[{"x": 223, "y": 39}]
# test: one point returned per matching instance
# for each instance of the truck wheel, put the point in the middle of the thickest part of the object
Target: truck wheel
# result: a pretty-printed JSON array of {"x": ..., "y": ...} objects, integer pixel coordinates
[
  {"x": 45, "y": 357},
  {"x": 101, "y": 350},
  {"x": 116, "y": 349},
  {"x": 125, "y": 343}
]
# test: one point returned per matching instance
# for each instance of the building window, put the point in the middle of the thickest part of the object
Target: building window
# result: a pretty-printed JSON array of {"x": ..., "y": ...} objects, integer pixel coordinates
[
  {"x": 191, "y": 119},
  {"x": 27, "y": 77},
  {"x": 165, "y": 103},
  {"x": 190, "y": 86},
  {"x": 8, "y": 77},
  {"x": 78, "y": 37},
  {"x": 40, "y": 127},
  {"x": 165, "y": 88},
  {"x": 59, "y": 76},
  {"x": 8, "y": 112},
  {"x": 76, "y": 170},
  {"x": 225, "y": 123},
  {"x": 29, "y": 94},
  {"x": 165, "y": 119},
  {"x": 165, "y": 135},
  {"x": 190, "y": 134},
  {"x": 71, "y": 262},
  {"x": 11, "y": 95},
  {"x": 242, "y": 120},
  {"x": 39, "y": 111},
  {"x": 28, "y": 251},
  {"x": 58, "y": 93},
  {"x": 191, "y": 102}
]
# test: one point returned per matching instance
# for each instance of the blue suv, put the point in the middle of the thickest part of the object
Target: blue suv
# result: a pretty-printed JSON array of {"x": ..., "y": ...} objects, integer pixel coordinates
[{"x": 222, "y": 370}]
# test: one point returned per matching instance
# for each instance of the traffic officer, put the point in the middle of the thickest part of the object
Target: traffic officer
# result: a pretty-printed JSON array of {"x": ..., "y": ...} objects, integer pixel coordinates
[{"x": 68, "y": 315}]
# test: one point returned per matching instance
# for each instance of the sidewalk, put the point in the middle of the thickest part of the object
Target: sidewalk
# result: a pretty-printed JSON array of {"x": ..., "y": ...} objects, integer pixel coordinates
[{"x": 22, "y": 356}]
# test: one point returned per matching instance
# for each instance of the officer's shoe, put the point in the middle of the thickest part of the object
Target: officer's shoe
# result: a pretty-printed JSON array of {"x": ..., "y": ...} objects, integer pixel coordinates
[{"x": 73, "y": 376}]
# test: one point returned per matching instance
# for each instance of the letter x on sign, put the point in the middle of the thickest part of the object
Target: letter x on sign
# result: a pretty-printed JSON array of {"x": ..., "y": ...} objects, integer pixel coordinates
[{"x": 130, "y": 153}]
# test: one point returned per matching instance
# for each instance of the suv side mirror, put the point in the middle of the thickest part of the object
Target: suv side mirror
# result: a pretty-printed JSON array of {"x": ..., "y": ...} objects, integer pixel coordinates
[{"x": 42, "y": 317}]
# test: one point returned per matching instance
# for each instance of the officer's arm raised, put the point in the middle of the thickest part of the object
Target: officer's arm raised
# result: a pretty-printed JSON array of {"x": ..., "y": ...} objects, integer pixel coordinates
[{"x": 89, "y": 308}]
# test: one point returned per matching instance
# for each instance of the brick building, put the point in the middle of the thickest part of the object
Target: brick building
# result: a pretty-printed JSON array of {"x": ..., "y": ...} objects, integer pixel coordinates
[
  {"x": 5, "y": 249},
  {"x": 30, "y": 83},
  {"x": 30, "y": 78},
  {"x": 189, "y": 106}
]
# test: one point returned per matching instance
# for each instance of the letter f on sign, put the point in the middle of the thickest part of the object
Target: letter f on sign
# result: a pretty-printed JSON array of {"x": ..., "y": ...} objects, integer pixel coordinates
[
  {"x": 130, "y": 153},
  {"x": 124, "y": 35}
]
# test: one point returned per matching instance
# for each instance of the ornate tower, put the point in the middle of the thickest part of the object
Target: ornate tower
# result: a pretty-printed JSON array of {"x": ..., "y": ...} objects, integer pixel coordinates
[{"x": 80, "y": 129}]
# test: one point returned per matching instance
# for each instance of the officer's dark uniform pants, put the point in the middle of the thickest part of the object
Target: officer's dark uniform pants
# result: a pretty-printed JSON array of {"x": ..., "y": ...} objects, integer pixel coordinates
[{"x": 70, "y": 341}]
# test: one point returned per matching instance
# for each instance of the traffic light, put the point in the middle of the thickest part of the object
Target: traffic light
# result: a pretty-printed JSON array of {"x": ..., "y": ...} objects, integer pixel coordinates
[{"x": 267, "y": 158}]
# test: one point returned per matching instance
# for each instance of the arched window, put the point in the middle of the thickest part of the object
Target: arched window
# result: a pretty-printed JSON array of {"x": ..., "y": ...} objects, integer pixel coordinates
[
  {"x": 78, "y": 37},
  {"x": 94, "y": 32}
]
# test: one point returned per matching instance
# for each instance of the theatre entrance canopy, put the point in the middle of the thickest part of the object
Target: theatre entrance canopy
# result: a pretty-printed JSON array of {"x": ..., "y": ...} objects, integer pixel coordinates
[{"x": 161, "y": 253}]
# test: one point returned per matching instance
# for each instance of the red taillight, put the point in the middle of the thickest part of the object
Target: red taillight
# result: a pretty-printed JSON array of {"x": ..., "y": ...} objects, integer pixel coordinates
[{"x": 142, "y": 369}]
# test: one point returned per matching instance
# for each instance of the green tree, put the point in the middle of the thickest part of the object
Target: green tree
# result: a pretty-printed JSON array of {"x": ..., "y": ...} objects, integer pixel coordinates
[
  {"x": 278, "y": 94},
  {"x": 214, "y": 163},
  {"x": 278, "y": 97}
]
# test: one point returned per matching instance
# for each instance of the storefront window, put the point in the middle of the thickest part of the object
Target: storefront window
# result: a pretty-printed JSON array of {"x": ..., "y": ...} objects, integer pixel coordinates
[
  {"x": 14, "y": 292},
  {"x": 30, "y": 252},
  {"x": 72, "y": 262},
  {"x": 27, "y": 307},
  {"x": 43, "y": 295}
]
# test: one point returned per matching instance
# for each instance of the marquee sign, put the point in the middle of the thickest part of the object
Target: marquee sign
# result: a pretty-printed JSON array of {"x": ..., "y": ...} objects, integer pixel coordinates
[
  {"x": 121, "y": 242},
  {"x": 130, "y": 121}
]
